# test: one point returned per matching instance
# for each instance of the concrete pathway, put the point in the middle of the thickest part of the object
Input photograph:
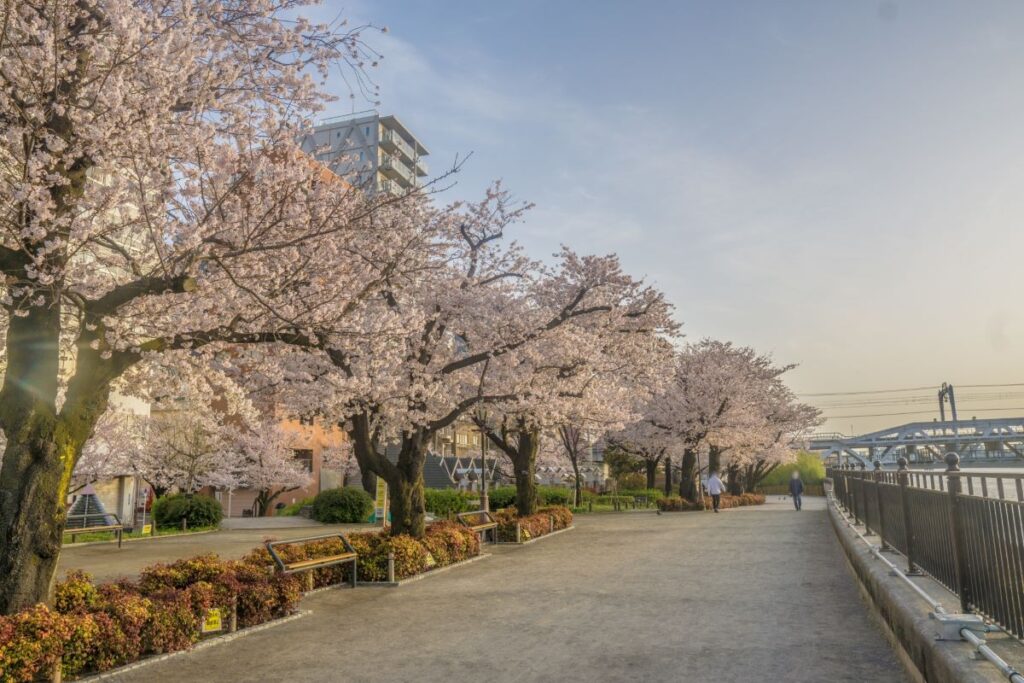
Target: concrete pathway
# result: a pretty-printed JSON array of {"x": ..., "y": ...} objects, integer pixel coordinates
[{"x": 756, "y": 594}]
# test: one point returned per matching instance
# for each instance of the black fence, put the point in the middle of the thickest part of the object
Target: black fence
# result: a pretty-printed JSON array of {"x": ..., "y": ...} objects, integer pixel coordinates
[{"x": 965, "y": 529}]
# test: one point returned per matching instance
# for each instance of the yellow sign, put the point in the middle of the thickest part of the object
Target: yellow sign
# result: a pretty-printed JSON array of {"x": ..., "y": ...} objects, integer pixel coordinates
[
  {"x": 147, "y": 529},
  {"x": 380, "y": 506},
  {"x": 212, "y": 622}
]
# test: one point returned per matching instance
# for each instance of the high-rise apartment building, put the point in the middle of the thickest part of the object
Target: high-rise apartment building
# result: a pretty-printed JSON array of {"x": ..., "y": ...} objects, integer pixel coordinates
[{"x": 367, "y": 149}]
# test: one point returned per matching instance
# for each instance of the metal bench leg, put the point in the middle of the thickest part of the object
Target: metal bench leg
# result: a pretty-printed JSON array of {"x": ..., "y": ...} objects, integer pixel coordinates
[
  {"x": 355, "y": 572},
  {"x": 120, "y": 535}
]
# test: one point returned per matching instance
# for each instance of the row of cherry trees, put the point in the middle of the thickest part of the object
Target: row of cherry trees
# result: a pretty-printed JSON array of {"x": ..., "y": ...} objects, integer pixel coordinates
[
  {"x": 726, "y": 409},
  {"x": 156, "y": 209}
]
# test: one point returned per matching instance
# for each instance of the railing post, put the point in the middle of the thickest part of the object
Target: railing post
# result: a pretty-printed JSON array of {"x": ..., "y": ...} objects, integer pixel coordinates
[
  {"x": 881, "y": 507},
  {"x": 956, "y": 532},
  {"x": 908, "y": 526}
]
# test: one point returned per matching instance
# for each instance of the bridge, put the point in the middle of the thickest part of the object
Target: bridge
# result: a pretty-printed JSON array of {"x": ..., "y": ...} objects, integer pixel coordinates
[{"x": 999, "y": 441}]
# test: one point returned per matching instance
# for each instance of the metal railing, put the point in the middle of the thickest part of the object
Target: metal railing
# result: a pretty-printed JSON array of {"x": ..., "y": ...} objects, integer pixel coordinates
[{"x": 971, "y": 544}]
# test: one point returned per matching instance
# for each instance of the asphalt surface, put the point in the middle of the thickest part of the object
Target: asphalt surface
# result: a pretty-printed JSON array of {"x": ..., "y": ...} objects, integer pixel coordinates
[{"x": 756, "y": 594}]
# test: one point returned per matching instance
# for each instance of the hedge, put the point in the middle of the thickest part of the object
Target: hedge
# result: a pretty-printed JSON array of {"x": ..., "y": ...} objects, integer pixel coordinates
[
  {"x": 93, "y": 628},
  {"x": 349, "y": 505},
  {"x": 196, "y": 510},
  {"x": 677, "y": 504},
  {"x": 505, "y": 496},
  {"x": 531, "y": 526},
  {"x": 442, "y": 502}
]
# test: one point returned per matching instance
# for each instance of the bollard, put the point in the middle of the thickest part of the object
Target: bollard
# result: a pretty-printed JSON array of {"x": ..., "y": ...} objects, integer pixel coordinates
[
  {"x": 551, "y": 518},
  {"x": 956, "y": 530},
  {"x": 233, "y": 620},
  {"x": 391, "y": 566},
  {"x": 519, "y": 533},
  {"x": 590, "y": 506},
  {"x": 903, "y": 477}
]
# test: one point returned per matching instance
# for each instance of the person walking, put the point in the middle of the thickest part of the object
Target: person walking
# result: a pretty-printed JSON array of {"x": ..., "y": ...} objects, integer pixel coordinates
[
  {"x": 796, "y": 489},
  {"x": 715, "y": 489}
]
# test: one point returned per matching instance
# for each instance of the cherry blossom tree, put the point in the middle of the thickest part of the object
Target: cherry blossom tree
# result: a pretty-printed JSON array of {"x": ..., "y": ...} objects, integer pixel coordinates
[
  {"x": 153, "y": 199},
  {"x": 267, "y": 464}
]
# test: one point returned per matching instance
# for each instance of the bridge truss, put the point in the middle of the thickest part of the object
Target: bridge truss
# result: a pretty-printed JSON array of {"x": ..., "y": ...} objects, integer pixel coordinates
[{"x": 996, "y": 440}]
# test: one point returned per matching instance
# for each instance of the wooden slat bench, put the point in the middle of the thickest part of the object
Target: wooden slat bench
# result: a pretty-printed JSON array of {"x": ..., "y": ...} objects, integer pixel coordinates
[
  {"x": 481, "y": 522},
  {"x": 349, "y": 556},
  {"x": 116, "y": 528}
]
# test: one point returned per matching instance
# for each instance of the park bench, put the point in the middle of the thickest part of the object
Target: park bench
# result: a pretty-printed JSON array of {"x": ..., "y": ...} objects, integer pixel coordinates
[
  {"x": 481, "y": 522},
  {"x": 80, "y": 524},
  {"x": 349, "y": 556}
]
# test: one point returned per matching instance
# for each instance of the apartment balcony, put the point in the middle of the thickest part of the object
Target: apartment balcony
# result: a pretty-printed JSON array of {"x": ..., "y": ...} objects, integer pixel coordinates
[
  {"x": 385, "y": 186},
  {"x": 394, "y": 169},
  {"x": 421, "y": 168},
  {"x": 393, "y": 142}
]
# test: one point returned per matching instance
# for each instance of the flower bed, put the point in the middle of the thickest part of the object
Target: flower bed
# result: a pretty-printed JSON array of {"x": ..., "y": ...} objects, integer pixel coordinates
[
  {"x": 677, "y": 504},
  {"x": 93, "y": 628},
  {"x": 544, "y": 521}
]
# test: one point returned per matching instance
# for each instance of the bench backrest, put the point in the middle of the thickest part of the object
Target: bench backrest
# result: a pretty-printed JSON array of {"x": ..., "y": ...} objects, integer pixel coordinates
[{"x": 477, "y": 518}]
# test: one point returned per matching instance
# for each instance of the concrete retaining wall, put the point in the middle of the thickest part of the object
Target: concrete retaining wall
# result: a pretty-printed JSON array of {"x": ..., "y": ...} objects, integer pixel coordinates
[{"x": 905, "y": 617}]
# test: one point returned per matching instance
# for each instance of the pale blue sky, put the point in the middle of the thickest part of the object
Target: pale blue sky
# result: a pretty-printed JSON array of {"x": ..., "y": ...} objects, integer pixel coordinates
[{"x": 839, "y": 183}]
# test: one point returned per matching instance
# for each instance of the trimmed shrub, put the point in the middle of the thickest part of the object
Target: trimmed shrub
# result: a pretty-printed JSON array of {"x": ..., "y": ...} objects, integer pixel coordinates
[
  {"x": 677, "y": 504},
  {"x": 31, "y": 643},
  {"x": 347, "y": 505},
  {"x": 533, "y": 525},
  {"x": 502, "y": 497},
  {"x": 196, "y": 510},
  {"x": 294, "y": 508},
  {"x": 555, "y": 495},
  {"x": 450, "y": 542},
  {"x": 443, "y": 502}
]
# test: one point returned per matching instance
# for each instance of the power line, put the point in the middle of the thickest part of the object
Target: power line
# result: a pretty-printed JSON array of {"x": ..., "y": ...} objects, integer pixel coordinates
[
  {"x": 913, "y": 412},
  {"x": 897, "y": 391}
]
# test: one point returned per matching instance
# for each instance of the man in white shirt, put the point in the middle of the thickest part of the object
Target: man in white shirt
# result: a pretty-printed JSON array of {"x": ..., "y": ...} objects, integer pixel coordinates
[{"x": 715, "y": 488}]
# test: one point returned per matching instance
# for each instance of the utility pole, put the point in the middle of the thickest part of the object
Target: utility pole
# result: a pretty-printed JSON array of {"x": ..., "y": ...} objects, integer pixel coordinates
[{"x": 947, "y": 392}]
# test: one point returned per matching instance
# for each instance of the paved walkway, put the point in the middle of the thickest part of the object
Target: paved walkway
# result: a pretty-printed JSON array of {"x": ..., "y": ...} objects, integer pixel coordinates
[{"x": 757, "y": 594}]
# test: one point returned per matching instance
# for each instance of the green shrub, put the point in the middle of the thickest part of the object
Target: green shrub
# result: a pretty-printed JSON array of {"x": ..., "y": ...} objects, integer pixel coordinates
[
  {"x": 531, "y": 526},
  {"x": 342, "y": 506},
  {"x": 677, "y": 504},
  {"x": 502, "y": 497},
  {"x": 296, "y": 507},
  {"x": 555, "y": 495},
  {"x": 196, "y": 510},
  {"x": 443, "y": 502},
  {"x": 651, "y": 494}
]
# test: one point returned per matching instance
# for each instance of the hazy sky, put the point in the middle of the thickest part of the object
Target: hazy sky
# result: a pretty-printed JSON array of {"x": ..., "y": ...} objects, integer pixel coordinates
[{"x": 838, "y": 183}]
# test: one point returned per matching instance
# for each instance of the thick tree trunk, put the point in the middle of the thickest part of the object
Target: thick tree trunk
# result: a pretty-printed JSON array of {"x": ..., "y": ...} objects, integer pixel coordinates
[
  {"x": 364, "y": 447},
  {"x": 404, "y": 477},
  {"x": 405, "y": 488},
  {"x": 733, "y": 483},
  {"x": 687, "y": 483},
  {"x": 41, "y": 452},
  {"x": 525, "y": 465},
  {"x": 714, "y": 460},
  {"x": 668, "y": 476},
  {"x": 651, "y": 467},
  {"x": 578, "y": 487}
]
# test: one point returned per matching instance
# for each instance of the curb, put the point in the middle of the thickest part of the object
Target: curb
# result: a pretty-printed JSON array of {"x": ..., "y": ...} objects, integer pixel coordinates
[
  {"x": 201, "y": 645},
  {"x": 539, "y": 538},
  {"x": 416, "y": 577},
  {"x": 905, "y": 619},
  {"x": 83, "y": 544}
]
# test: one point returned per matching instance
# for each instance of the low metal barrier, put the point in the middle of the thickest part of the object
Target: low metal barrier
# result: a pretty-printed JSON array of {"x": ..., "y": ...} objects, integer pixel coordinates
[{"x": 964, "y": 529}]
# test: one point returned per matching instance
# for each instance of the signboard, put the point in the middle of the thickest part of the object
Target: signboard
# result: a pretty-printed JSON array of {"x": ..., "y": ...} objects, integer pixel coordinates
[
  {"x": 380, "y": 506},
  {"x": 212, "y": 622},
  {"x": 147, "y": 529}
]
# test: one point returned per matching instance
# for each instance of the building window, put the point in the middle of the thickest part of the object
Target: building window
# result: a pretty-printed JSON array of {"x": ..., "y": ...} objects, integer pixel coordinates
[
  {"x": 366, "y": 131},
  {"x": 304, "y": 456}
]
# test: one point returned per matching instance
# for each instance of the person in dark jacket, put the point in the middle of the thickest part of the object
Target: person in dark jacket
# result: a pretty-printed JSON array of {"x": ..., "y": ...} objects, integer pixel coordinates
[{"x": 796, "y": 489}]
